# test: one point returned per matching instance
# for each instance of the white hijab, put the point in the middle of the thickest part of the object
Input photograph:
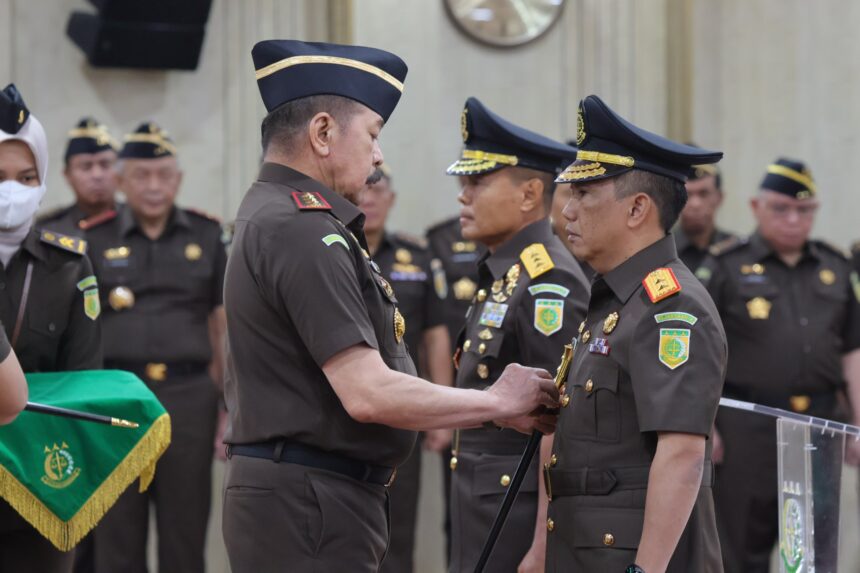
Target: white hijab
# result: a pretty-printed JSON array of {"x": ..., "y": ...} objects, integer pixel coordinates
[{"x": 33, "y": 134}]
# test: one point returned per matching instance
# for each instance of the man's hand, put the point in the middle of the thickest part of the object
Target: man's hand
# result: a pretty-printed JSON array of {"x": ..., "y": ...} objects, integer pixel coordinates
[
  {"x": 438, "y": 440},
  {"x": 526, "y": 395}
]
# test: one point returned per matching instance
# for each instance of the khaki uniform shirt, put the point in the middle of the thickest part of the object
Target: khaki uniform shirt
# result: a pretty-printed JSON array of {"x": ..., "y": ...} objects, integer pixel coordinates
[
  {"x": 60, "y": 329},
  {"x": 641, "y": 365},
  {"x": 458, "y": 263},
  {"x": 408, "y": 267},
  {"x": 157, "y": 295},
  {"x": 689, "y": 253},
  {"x": 787, "y": 327},
  {"x": 300, "y": 288}
]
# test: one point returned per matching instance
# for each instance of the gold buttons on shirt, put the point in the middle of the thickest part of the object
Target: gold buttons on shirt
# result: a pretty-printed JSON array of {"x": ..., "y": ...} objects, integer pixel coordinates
[
  {"x": 565, "y": 400},
  {"x": 467, "y": 345},
  {"x": 453, "y": 463},
  {"x": 550, "y": 524},
  {"x": 482, "y": 348},
  {"x": 589, "y": 385},
  {"x": 121, "y": 297},
  {"x": 505, "y": 481},
  {"x": 586, "y": 336},
  {"x": 483, "y": 371},
  {"x": 553, "y": 461},
  {"x": 608, "y": 539},
  {"x": 482, "y": 295}
]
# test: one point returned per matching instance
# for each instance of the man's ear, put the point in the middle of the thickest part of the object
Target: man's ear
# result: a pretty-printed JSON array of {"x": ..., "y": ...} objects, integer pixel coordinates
[
  {"x": 533, "y": 191},
  {"x": 320, "y": 130},
  {"x": 639, "y": 208}
]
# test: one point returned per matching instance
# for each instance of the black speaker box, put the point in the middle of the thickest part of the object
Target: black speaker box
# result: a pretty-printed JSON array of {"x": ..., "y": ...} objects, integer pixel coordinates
[{"x": 157, "y": 34}]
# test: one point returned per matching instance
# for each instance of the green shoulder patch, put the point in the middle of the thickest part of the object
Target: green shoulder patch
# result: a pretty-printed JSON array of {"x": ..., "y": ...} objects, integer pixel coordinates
[
  {"x": 550, "y": 288},
  {"x": 333, "y": 238},
  {"x": 89, "y": 282},
  {"x": 679, "y": 316},
  {"x": 674, "y": 349},
  {"x": 549, "y": 315},
  {"x": 71, "y": 244}
]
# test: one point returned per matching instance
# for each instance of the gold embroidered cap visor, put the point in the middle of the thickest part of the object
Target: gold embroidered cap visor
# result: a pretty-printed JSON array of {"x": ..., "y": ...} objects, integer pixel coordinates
[
  {"x": 609, "y": 145},
  {"x": 288, "y": 70},
  {"x": 789, "y": 177},
  {"x": 148, "y": 141},
  {"x": 491, "y": 142}
]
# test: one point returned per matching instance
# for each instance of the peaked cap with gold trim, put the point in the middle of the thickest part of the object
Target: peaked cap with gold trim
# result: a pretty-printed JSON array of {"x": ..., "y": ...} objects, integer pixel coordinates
[
  {"x": 148, "y": 141},
  {"x": 13, "y": 110},
  {"x": 89, "y": 136},
  {"x": 789, "y": 177},
  {"x": 289, "y": 69},
  {"x": 491, "y": 142},
  {"x": 609, "y": 145}
]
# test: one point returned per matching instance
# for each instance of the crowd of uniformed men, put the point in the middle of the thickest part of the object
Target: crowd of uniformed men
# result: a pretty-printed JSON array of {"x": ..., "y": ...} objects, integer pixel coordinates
[{"x": 554, "y": 244}]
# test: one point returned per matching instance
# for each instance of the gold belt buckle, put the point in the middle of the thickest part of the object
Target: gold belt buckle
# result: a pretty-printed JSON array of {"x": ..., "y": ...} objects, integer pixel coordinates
[
  {"x": 547, "y": 482},
  {"x": 156, "y": 371},
  {"x": 391, "y": 479}
]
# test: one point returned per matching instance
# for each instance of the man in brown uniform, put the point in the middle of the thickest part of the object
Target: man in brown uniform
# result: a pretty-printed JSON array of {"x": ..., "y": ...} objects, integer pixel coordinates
[
  {"x": 90, "y": 170},
  {"x": 696, "y": 230},
  {"x": 162, "y": 271},
  {"x": 531, "y": 296},
  {"x": 405, "y": 262},
  {"x": 321, "y": 392},
  {"x": 49, "y": 302},
  {"x": 791, "y": 316},
  {"x": 630, "y": 474}
]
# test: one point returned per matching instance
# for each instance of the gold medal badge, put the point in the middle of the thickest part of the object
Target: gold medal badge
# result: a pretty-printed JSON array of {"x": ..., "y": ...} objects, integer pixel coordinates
[
  {"x": 511, "y": 278},
  {"x": 610, "y": 323},
  {"x": 827, "y": 277},
  {"x": 759, "y": 308},
  {"x": 498, "y": 295},
  {"x": 464, "y": 289},
  {"x": 121, "y": 297},
  {"x": 399, "y": 326}
]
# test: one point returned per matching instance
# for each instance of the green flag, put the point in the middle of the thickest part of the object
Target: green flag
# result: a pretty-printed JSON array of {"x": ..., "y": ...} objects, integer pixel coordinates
[{"x": 62, "y": 474}]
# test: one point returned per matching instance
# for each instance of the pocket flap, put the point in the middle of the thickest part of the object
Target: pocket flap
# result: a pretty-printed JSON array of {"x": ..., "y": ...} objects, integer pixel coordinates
[
  {"x": 620, "y": 528},
  {"x": 600, "y": 374},
  {"x": 490, "y": 477}
]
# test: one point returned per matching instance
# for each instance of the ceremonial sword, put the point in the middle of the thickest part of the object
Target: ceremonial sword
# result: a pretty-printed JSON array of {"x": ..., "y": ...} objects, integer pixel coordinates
[{"x": 77, "y": 415}]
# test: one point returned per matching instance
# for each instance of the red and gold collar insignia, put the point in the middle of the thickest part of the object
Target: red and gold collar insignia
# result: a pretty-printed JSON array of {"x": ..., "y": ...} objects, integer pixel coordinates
[
  {"x": 307, "y": 200},
  {"x": 661, "y": 283}
]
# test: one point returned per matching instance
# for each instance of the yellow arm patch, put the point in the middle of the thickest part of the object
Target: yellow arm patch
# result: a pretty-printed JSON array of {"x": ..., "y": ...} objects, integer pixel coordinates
[
  {"x": 536, "y": 260},
  {"x": 65, "y": 242}
]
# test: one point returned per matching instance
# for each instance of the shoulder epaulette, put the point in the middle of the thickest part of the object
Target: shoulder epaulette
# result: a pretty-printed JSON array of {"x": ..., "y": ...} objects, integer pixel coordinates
[
  {"x": 72, "y": 244},
  {"x": 412, "y": 240},
  {"x": 727, "y": 245},
  {"x": 203, "y": 214},
  {"x": 661, "y": 283},
  {"x": 96, "y": 220},
  {"x": 52, "y": 214},
  {"x": 536, "y": 259},
  {"x": 833, "y": 248},
  {"x": 310, "y": 201}
]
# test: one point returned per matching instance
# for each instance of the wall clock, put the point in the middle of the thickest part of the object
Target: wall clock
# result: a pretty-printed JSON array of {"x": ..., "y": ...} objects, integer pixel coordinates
[{"x": 504, "y": 23}]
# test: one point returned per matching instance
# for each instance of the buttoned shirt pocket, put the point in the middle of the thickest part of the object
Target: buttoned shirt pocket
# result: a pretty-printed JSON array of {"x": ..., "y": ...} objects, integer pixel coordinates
[
  {"x": 492, "y": 478},
  {"x": 615, "y": 529},
  {"x": 479, "y": 364},
  {"x": 594, "y": 398}
]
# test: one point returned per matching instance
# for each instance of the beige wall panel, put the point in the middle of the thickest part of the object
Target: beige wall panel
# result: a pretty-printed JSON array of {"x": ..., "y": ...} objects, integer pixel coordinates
[{"x": 779, "y": 77}]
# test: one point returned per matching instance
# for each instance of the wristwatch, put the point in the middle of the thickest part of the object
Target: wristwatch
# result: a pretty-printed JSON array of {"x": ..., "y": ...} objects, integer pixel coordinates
[{"x": 634, "y": 569}]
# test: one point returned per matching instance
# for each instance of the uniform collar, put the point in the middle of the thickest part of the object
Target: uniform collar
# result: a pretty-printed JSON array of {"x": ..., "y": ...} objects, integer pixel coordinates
[
  {"x": 760, "y": 249},
  {"x": 33, "y": 244},
  {"x": 346, "y": 212},
  {"x": 128, "y": 222},
  {"x": 509, "y": 253},
  {"x": 626, "y": 277}
]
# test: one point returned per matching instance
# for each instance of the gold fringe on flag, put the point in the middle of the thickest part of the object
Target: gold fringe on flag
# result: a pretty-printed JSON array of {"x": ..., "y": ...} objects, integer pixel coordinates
[{"x": 140, "y": 462}]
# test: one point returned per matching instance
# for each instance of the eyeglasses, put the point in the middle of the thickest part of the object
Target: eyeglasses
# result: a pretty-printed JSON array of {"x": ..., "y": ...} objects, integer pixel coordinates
[{"x": 783, "y": 210}]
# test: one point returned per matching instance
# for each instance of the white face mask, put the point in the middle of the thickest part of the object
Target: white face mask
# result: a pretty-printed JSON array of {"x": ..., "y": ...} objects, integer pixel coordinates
[{"x": 18, "y": 203}]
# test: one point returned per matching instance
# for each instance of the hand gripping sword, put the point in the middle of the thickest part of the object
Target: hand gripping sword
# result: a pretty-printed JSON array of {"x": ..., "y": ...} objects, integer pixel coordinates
[{"x": 522, "y": 469}]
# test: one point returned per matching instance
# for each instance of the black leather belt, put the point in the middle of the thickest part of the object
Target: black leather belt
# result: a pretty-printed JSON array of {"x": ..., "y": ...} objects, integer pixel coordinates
[
  {"x": 812, "y": 403},
  {"x": 158, "y": 371},
  {"x": 594, "y": 481},
  {"x": 294, "y": 453}
]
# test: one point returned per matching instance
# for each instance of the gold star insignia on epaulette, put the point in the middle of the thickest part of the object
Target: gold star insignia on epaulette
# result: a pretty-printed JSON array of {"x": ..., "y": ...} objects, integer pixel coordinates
[
  {"x": 309, "y": 201},
  {"x": 71, "y": 244},
  {"x": 661, "y": 283},
  {"x": 536, "y": 260}
]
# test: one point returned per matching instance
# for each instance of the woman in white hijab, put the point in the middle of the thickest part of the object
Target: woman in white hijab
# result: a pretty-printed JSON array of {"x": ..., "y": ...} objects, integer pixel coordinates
[{"x": 49, "y": 302}]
